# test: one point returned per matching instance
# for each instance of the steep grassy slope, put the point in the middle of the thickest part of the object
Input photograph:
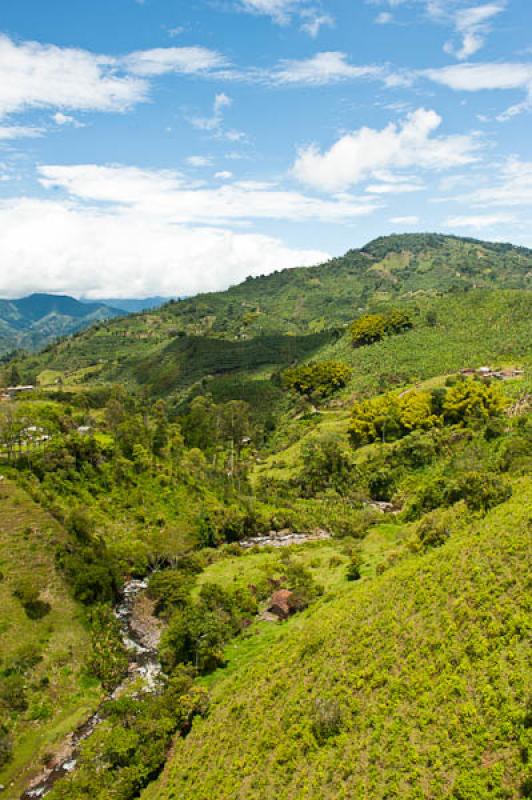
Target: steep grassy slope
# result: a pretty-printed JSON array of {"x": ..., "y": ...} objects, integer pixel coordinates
[
  {"x": 45, "y": 656},
  {"x": 410, "y": 685}
]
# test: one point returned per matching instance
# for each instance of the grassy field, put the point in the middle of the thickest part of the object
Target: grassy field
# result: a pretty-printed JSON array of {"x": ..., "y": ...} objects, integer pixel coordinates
[
  {"x": 365, "y": 692},
  {"x": 59, "y": 694}
]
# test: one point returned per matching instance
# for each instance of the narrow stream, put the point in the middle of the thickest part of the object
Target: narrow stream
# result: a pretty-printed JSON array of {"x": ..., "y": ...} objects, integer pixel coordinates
[{"x": 140, "y": 639}]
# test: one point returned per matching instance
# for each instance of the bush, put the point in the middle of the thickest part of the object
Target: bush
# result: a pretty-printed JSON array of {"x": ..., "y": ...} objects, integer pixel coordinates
[
  {"x": 373, "y": 327},
  {"x": 353, "y": 572},
  {"x": 13, "y": 692},
  {"x": 327, "y": 719},
  {"x": 170, "y": 588},
  {"x": 481, "y": 491},
  {"x": 319, "y": 379},
  {"x": 28, "y": 591},
  {"x": 6, "y": 746},
  {"x": 433, "y": 530}
]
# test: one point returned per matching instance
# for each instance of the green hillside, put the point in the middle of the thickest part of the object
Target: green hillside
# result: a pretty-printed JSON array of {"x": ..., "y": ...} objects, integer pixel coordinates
[
  {"x": 302, "y": 302},
  {"x": 326, "y": 433},
  {"x": 411, "y": 685},
  {"x": 309, "y": 299},
  {"x": 45, "y": 691}
]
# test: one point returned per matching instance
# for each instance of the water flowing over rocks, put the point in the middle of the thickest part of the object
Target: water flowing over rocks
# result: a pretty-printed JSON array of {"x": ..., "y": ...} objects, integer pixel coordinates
[{"x": 141, "y": 632}]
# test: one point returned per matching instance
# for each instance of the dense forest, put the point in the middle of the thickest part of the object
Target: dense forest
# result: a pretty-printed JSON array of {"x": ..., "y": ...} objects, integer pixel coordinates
[{"x": 319, "y": 484}]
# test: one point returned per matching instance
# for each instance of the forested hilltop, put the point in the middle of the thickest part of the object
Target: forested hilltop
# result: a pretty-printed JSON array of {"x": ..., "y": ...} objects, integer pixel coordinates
[{"x": 320, "y": 481}]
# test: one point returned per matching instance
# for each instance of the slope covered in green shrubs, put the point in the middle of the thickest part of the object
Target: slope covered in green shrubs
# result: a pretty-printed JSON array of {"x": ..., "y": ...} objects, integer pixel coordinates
[{"x": 412, "y": 685}]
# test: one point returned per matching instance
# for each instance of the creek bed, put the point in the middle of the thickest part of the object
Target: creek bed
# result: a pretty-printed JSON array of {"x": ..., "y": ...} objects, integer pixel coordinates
[{"x": 140, "y": 635}]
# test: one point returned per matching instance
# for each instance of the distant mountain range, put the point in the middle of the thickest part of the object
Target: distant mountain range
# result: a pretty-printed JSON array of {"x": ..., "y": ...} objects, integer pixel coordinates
[
  {"x": 132, "y": 305},
  {"x": 31, "y": 322}
]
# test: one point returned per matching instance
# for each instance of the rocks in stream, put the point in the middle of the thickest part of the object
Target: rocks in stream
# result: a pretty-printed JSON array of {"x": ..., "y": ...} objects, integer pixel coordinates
[{"x": 285, "y": 537}]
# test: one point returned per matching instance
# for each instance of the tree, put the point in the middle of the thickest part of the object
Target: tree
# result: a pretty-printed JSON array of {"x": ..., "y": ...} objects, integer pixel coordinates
[
  {"x": 319, "y": 379},
  {"x": 200, "y": 427},
  {"x": 327, "y": 463},
  {"x": 14, "y": 376},
  {"x": 471, "y": 400}
]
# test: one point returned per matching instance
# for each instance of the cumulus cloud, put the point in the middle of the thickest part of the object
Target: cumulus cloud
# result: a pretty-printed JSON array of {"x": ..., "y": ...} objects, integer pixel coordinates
[
  {"x": 359, "y": 155},
  {"x": 170, "y": 196},
  {"x": 66, "y": 119},
  {"x": 34, "y": 75},
  {"x": 60, "y": 247}
]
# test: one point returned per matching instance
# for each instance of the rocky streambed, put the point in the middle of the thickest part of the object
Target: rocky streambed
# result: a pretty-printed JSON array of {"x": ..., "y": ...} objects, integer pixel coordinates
[
  {"x": 285, "y": 537},
  {"x": 141, "y": 632}
]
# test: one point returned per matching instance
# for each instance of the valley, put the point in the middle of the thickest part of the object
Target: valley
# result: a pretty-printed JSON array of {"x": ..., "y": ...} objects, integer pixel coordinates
[{"x": 319, "y": 483}]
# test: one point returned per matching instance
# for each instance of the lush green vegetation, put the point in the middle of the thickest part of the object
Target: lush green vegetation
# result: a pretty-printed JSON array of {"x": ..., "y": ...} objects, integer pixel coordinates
[
  {"x": 374, "y": 327},
  {"x": 45, "y": 689},
  {"x": 317, "y": 380},
  {"x": 164, "y": 440},
  {"x": 410, "y": 685}
]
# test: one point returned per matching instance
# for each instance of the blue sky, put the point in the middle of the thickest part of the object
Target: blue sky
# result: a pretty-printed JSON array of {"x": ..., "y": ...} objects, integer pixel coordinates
[{"x": 164, "y": 147}]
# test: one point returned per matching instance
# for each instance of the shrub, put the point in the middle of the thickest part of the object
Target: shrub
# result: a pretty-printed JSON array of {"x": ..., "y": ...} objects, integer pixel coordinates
[
  {"x": 353, "y": 572},
  {"x": 481, "y": 491},
  {"x": 6, "y": 746},
  {"x": 318, "y": 379},
  {"x": 13, "y": 692},
  {"x": 327, "y": 719},
  {"x": 433, "y": 530},
  {"x": 472, "y": 400},
  {"x": 373, "y": 327},
  {"x": 28, "y": 591}
]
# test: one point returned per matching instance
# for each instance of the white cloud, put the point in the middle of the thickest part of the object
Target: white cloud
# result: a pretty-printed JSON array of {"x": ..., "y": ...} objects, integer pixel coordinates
[
  {"x": 475, "y": 77},
  {"x": 282, "y": 12},
  {"x": 166, "y": 195},
  {"x": 224, "y": 175},
  {"x": 512, "y": 187},
  {"x": 321, "y": 69},
  {"x": 183, "y": 60},
  {"x": 384, "y": 18},
  {"x": 199, "y": 161},
  {"x": 472, "y": 25},
  {"x": 359, "y": 155},
  {"x": 33, "y": 75},
  {"x": 214, "y": 122},
  {"x": 393, "y": 188},
  {"x": 279, "y": 10},
  {"x": 8, "y": 132},
  {"x": 412, "y": 220},
  {"x": 94, "y": 253},
  {"x": 66, "y": 119},
  {"x": 314, "y": 21},
  {"x": 495, "y": 76},
  {"x": 479, "y": 221}
]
